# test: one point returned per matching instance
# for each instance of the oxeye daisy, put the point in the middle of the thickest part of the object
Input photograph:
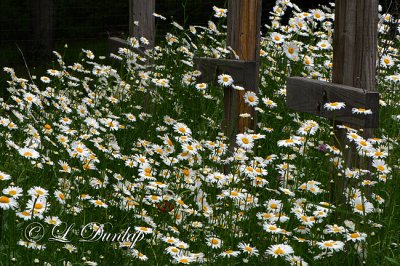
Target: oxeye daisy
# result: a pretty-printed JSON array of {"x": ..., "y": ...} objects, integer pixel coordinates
[
  {"x": 246, "y": 248},
  {"x": 362, "y": 206},
  {"x": 381, "y": 166},
  {"x": 274, "y": 205},
  {"x": 45, "y": 79},
  {"x": 181, "y": 245},
  {"x": 30, "y": 98},
  {"x": 38, "y": 192},
  {"x": 318, "y": 15},
  {"x": 170, "y": 240},
  {"x": 98, "y": 203},
  {"x": 183, "y": 259},
  {"x": 38, "y": 205},
  {"x": 324, "y": 45},
  {"x": 4, "y": 176},
  {"x": 174, "y": 251},
  {"x": 395, "y": 78},
  {"x": 65, "y": 168},
  {"x": 214, "y": 242},
  {"x": 331, "y": 245},
  {"x": 219, "y": 12},
  {"x": 60, "y": 196},
  {"x": 279, "y": 250},
  {"x": 250, "y": 98},
  {"x": 277, "y": 38},
  {"x": 25, "y": 215},
  {"x": 269, "y": 103},
  {"x": 362, "y": 111},
  {"x": 71, "y": 248},
  {"x": 238, "y": 88},
  {"x": 8, "y": 203},
  {"x": 291, "y": 50},
  {"x": 332, "y": 106},
  {"x": 244, "y": 141},
  {"x": 378, "y": 153},
  {"x": 28, "y": 153},
  {"x": 271, "y": 228},
  {"x": 54, "y": 72},
  {"x": 387, "y": 61},
  {"x": 225, "y": 80},
  {"x": 182, "y": 129},
  {"x": 229, "y": 253},
  {"x": 145, "y": 230},
  {"x": 292, "y": 141},
  {"x": 201, "y": 86},
  {"x": 364, "y": 145},
  {"x": 53, "y": 220},
  {"x": 12, "y": 191}
]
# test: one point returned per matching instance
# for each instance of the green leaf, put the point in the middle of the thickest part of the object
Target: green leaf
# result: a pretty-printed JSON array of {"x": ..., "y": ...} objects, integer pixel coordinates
[{"x": 395, "y": 262}]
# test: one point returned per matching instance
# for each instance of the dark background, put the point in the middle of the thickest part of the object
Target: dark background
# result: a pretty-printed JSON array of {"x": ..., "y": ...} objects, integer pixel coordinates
[{"x": 88, "y": 23}]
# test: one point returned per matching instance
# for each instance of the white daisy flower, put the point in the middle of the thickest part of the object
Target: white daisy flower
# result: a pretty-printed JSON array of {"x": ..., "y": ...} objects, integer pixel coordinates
[
  {"x": 332, "y": 106},
  {"x": 251, "y": 98},
  {"x": 225, "y": 80},
  {"x": 279, "y": 250}
]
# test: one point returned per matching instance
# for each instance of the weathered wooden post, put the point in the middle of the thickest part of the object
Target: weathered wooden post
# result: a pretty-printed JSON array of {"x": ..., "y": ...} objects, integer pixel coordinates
[
  {"x": 354, "y": 70},
  {"x": 141, "y": 24},
  {"x": 355, "y": 48},
  {"x": 244, "y": 22},
  {"x": 355, "y": 45},
  {"x": 141, "y": 12}
]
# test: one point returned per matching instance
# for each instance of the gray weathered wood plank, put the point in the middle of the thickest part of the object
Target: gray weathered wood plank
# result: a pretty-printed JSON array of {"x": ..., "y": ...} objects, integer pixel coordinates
[
  {"x": 242, "y": 72},
  {"x": 307, "y": 95}
]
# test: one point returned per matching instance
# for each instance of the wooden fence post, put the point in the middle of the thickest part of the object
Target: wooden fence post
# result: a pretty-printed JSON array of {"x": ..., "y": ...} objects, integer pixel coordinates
[
  {"x": 355, "y": 47},
  {"x": 354, "y": 70},
  {"x": 244, "y": 25},
  {"x": 141, "y": 11}
]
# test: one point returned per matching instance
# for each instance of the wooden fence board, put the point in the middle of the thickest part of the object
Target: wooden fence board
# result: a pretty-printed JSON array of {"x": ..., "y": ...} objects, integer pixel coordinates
[{"x": 307, "y": 95}]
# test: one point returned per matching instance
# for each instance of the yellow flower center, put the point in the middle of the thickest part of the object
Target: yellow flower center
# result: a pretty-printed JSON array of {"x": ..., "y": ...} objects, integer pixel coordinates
[
  {"x": 28, "y": 154},
  {"x": 38, "y": 206},
  {"x": 4, "y": 199},
  {"x": 248, "y": 249},
  {"x": 279, "y": 251},
  {"x": 214, "y": 241}
]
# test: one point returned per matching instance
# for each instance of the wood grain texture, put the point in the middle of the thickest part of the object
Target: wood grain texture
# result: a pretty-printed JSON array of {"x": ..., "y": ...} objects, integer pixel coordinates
[
  {"x": 354, "y": 64},
  {"x": 142, "y": 12},
  {"x": 241, "y": 71},
  {"x": 244, "y": 24},
  {"x": 307, "y": 95},
  {"x": 355, "y": 43}
]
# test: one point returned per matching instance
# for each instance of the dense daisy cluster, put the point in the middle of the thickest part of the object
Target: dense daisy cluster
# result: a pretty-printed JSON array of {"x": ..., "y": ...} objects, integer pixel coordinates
[{"x": 138, "y": 144}]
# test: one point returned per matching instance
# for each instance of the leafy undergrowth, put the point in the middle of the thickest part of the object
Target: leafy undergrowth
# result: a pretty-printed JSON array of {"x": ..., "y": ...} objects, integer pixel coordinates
[{"x": 94, "y": 150}]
